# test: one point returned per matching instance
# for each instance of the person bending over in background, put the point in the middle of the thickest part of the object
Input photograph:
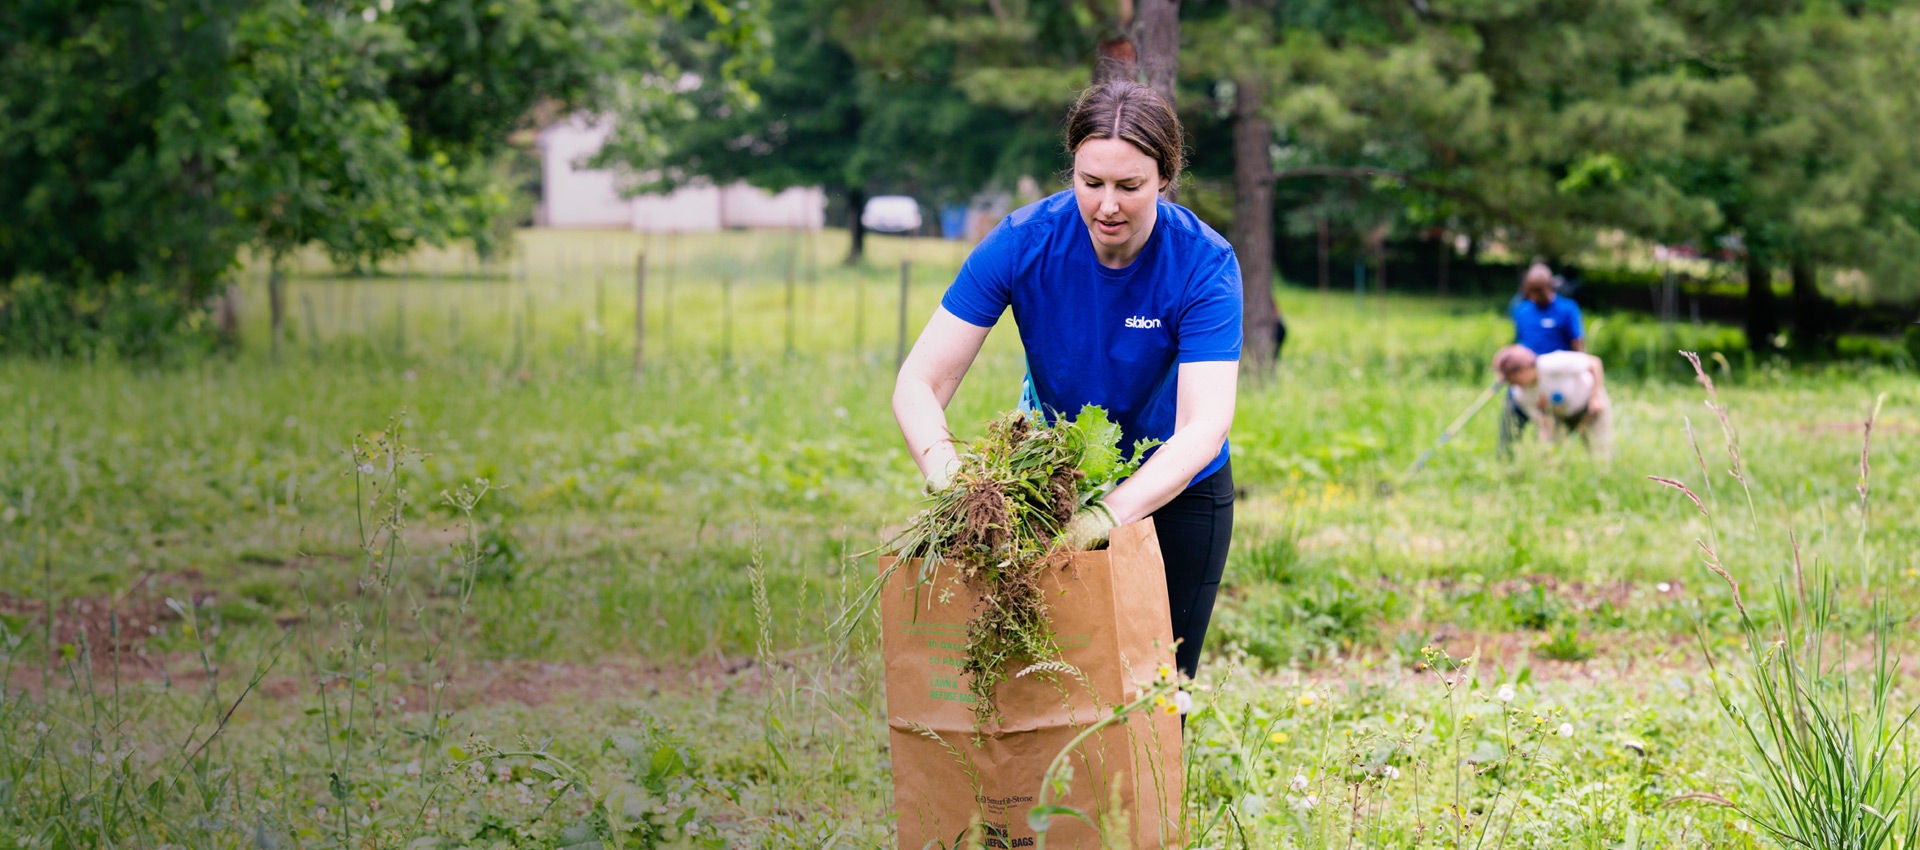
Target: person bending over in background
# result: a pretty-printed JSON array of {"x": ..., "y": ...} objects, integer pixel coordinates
[
  {"x": 1545, "y": 322},
  {"x": 1125, "y": 300},
  {"x": 1564, "y": 391}
]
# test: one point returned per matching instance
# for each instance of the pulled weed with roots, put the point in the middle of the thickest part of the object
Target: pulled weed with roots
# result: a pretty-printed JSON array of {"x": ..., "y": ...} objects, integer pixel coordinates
[{"x": 998, "y": 522}]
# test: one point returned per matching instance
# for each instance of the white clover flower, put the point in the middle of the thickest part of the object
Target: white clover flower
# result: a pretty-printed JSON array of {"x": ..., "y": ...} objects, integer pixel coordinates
[
  {"x": 1298, "y": 783},
  {"x": 1183, "y": 701},
  {"x": 1565, "y": 730},
  {"x": 1505, "y": 694}
]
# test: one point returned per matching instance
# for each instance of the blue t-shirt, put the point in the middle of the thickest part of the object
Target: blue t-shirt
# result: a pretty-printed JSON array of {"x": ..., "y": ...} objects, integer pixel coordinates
[
  {"x": 1111, "y": 337},
  {"x": 1546, "y": 329}
]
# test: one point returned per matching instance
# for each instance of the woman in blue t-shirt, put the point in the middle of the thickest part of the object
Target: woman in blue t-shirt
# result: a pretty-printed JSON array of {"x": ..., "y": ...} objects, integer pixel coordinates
[{"x": 1125, "y": 300}]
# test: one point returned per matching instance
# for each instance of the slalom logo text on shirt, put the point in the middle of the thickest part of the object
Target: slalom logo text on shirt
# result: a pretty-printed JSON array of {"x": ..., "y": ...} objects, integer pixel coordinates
[{"x": 1142, "y": 322}]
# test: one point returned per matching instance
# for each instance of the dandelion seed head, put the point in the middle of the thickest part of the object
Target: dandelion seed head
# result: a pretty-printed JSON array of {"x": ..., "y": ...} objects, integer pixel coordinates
[
  {"x": 1298, "y": 783},
  {"x": 1505, "y": 694},
  {"x": 1565, "y": 730}
]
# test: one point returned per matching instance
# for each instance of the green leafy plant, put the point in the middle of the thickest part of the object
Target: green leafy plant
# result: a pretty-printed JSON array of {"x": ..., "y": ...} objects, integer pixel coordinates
[
  {"x": 1535, "y": 608},
  {"x": 1563, "y": 643},
  {"x": 998, "y": 522}
]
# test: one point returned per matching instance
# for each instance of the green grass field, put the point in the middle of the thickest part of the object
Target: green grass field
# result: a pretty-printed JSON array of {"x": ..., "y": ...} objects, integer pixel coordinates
[{"x": 442, "y": 570}]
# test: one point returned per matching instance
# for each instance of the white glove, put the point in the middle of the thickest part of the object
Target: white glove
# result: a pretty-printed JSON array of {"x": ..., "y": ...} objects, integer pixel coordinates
[
  {"x": 942, "y": 476},
  {"x": 1088, "y": 528}
]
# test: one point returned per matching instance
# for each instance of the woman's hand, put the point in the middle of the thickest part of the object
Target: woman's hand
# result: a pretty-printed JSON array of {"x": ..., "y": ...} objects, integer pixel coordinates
[
  {"x": 927, "y": 381},
  {"x": 1088, "y": 528}
]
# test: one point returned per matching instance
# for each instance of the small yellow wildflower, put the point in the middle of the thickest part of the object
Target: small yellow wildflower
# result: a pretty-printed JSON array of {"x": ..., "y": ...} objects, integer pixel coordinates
[
  {"x": 1278, "y": 737},
  {"x": 1166, "y": 671},
  {"x": 1307, "y": 698}
]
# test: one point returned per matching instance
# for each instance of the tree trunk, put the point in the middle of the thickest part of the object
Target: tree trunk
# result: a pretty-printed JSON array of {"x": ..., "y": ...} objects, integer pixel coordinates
[
  {"x": 856, "y": 204},
  {"x": 1158, "y": 40},
  {"x": 1253, "y": 227},
  {"x": 1763, "y": 319},
  {"x": 1326, "y": 261},
  {"x": 226, "y": 316},
  {"x": 276, "y": 301},
  {"x": 1813, "y": 331}
]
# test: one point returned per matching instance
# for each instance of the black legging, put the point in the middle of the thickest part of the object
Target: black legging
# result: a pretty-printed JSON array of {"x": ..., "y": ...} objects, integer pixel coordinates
[{"x": 1195, "y": 529}]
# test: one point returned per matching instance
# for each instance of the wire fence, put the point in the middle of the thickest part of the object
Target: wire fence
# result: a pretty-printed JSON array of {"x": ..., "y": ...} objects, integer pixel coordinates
[{"x": 610, "y": 300}]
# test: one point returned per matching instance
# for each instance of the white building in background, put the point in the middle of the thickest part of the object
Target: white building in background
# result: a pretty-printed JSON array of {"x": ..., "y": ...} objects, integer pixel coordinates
[{"x": 575, "y": 196}]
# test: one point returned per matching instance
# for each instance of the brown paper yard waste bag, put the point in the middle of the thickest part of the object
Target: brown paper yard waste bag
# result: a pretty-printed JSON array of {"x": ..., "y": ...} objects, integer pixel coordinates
[{"x": 1109, "y": 615}]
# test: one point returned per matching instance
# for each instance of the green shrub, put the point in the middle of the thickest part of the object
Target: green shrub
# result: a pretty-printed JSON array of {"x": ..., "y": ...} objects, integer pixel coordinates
[{"x": 135, "y": 319}]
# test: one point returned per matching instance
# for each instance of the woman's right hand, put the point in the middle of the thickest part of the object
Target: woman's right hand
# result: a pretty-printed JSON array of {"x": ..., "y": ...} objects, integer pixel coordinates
[{"x": 927, "y": 381}]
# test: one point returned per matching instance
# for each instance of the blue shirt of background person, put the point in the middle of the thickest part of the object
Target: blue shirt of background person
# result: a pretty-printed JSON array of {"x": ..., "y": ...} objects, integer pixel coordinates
[
  {"x": 1543, "y": 320},
  {"x": 1105, "y": 336}
]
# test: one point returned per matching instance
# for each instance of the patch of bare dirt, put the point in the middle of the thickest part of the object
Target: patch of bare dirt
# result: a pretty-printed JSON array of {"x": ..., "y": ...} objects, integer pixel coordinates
[{"x": 109, "y": 629}]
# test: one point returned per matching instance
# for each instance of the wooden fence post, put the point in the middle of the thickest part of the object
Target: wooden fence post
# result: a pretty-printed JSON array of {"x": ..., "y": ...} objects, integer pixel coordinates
[
  {"x": 790, "y": 302},
  {"x": 726, "y": 317},
  {"x": 900, "y": 346},
  {"x": 640, "y": 313}
]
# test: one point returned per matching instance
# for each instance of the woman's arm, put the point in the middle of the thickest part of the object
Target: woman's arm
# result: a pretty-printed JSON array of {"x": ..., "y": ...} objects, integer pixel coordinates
[
  {"x": 1203, "y": 412},
  {"x": 927, "y": 380}
]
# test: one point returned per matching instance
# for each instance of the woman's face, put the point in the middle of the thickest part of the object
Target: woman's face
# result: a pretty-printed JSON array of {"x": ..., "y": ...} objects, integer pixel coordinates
[{"x": 1116, "y": 186}]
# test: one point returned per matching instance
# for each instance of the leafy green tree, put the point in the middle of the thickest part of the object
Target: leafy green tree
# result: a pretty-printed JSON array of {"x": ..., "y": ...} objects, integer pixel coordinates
[
  {"x": 1811, "y": 159},
  {"x": 864, "y": 98},
  {"x": 142, "y": 146}
]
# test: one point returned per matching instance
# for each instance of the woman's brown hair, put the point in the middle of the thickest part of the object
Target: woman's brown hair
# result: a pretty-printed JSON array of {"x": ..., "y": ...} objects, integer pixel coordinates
[{"x": 1126, "y": 110}]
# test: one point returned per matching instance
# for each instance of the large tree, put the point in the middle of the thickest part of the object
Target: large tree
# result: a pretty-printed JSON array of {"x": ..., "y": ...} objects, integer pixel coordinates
[
  {"x": 1813, "y": 161},
  {"x": 142, "y": 146}
]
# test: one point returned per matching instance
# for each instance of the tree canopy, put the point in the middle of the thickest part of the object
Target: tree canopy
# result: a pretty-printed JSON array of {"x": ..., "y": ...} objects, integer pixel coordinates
[{"x": 143, "y": 146}]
